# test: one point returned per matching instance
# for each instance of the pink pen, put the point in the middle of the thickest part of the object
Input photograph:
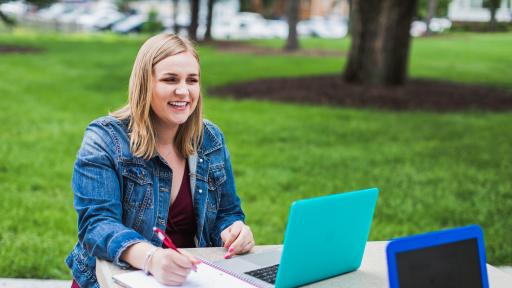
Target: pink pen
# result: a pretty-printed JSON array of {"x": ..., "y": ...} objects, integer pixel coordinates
[{"x": 167, "y": 241}]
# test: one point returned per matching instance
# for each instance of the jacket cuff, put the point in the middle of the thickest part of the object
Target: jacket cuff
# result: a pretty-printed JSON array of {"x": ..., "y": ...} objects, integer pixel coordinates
[{"x": 120, "y": 242}]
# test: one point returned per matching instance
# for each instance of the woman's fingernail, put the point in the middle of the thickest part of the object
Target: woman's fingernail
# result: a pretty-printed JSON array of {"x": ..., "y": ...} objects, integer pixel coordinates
[
  {"x": 231, "y": 250},
  {"x": 227, "y": 256}
]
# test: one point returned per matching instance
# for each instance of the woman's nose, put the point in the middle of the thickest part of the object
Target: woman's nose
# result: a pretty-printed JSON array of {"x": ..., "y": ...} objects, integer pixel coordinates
[{"x": 181, "y": 91}]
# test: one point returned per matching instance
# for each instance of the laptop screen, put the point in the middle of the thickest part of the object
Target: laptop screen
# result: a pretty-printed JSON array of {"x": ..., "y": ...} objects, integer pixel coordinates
[{"x": 455, "y": 264}]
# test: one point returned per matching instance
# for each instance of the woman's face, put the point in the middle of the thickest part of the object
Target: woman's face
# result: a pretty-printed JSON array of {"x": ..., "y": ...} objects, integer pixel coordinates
[{"x": 175, "y": 89}]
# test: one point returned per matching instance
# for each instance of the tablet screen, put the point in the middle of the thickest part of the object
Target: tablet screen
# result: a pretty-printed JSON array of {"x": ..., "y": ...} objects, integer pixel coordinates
[{"x": 455, "y": 264}]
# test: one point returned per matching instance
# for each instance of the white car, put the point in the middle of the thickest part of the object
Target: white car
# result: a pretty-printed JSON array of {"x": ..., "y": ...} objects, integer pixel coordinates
[
  {"x": 14, "y": 9},
  {"x": 132, "y": 23},
  {"x": 439, "y": 24},
  {"x": 278, "y": 28},
  {"x": 418, "y": 28},
  {"x": 323, "y": 27},
  {"x": 243, "y": 25},
  {"x": 53, "y": 11}
]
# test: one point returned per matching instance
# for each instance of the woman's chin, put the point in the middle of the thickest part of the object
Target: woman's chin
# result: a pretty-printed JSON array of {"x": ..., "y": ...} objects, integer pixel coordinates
[{"x": 179, "y": 121}]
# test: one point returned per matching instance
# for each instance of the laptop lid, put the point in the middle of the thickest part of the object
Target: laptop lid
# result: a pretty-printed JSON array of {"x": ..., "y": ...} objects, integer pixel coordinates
[
  {"x": 325, "y": 237},
  {"x": 447, "y": 258}
]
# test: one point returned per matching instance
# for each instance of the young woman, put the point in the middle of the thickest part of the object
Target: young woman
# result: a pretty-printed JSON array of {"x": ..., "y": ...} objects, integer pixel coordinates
[{"x": 155, "y": 163}]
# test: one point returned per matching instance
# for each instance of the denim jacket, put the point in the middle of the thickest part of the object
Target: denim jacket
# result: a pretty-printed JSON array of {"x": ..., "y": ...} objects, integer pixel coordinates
[{"x": 119, "y": 197}]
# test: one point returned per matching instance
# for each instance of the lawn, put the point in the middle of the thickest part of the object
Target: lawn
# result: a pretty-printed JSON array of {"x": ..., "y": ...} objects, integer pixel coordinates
[{"x": 434, "y": 170}]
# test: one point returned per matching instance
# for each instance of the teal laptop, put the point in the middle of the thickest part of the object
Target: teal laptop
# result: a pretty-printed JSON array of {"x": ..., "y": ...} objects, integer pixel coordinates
[{"x": 325, "y": 237}]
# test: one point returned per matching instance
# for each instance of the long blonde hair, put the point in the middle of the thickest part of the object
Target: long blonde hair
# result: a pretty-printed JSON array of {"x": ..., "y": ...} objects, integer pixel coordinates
[{"x": 138, "y": 110}]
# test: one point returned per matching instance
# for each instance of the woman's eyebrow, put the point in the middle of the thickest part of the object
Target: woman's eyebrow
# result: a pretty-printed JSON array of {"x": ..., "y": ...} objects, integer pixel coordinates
[{"x": 174, "y": 74}]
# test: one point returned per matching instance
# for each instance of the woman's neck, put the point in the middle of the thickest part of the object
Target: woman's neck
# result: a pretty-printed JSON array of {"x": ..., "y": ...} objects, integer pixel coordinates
[{"x": 165, "y": 134}]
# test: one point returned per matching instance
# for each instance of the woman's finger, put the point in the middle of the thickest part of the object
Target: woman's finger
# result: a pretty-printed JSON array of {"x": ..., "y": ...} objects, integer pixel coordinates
[
  {"x": 242, "y": 240},
  {"x": 248, "y": 247},
  {"x": 231, "y": 233}
]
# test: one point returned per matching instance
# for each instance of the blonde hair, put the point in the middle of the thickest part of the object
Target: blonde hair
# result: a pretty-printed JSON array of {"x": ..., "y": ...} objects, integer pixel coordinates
[{"x": 138, "y": 110}]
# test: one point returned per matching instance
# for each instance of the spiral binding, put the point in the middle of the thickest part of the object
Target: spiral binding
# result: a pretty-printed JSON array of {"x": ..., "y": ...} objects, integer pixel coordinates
[{"x": 236, "y": 275}]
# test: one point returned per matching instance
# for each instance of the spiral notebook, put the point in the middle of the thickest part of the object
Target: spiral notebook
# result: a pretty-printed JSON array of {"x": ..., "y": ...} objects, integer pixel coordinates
[{"x": 207, "y": 275}]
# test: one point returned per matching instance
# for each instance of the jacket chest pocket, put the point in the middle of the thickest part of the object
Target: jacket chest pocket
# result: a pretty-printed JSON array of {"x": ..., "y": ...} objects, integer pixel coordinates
[
  {"x": 137, "y": 186},
  {"x": 216, "y": 177}
]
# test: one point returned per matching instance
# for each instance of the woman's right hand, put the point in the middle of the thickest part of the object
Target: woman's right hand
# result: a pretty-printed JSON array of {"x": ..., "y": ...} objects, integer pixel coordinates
[{"x": 172, "y": 268}]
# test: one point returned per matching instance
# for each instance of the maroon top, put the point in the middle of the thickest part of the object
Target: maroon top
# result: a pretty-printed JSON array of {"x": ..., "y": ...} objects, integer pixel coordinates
[{"x": 181, "y": 222}]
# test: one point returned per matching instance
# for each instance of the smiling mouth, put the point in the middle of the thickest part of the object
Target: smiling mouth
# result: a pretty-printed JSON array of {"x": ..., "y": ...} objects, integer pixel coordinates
[{"x": 178, "y": 104}]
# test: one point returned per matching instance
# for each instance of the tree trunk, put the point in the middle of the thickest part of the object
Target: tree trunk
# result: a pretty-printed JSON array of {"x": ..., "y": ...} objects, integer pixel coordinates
[
  {"x": 8, "y": 21},
  {"x": 257, "y": 6},
  {"x": 380, "y": 41},
  {"x": 432, "y": 7},
  {"x": 292, "y": 42},
  {"x": 349, "y": 24},
  {"x": 494, "y": 5},
  {"x": 208, "y": 34},
  {"x": 175, "y": 16},
  {"x": 194, "y": 17}
]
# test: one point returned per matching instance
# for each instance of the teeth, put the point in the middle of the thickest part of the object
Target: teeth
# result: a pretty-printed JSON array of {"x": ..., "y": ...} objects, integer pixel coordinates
[{"x": 178, "y": 103}]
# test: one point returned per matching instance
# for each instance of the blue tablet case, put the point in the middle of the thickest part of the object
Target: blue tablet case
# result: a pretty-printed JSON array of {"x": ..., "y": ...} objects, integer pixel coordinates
[{"x": 445, "y": 258}]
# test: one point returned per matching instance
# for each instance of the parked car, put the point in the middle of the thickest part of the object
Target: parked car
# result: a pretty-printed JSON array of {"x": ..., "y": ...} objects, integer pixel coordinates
[
  {"x": 99, "y": 18},
  {"x": 53, "y": 11},
  {"x": 132, "y": 23},
  {"x": 243, "y": 25},
  {"x": 440, "y": 24},
  {"x": 418, "y": 28},
  {"x": 323, "y": 27},
  {"x": 14, "y": 9},
  {"x": 278, "y": 28}
]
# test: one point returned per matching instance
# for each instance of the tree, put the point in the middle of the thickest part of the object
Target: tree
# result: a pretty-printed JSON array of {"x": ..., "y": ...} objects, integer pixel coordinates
[
  {"x": 380, "y": 41},
  {"x": 175, "y": 16},
  {"x": 493, "y": 6},
  {"x": 292, "y": 43},
  {"x": 432, "y": 6},
  {"x": 428, "y": 9},
  {"x": 152, "y": 25},
  {"x": 208, "y": 34},
  {"x": 123, "y": 5},
  {"x": 9, "y": 22},
  {"x": 194, "y": 18}
]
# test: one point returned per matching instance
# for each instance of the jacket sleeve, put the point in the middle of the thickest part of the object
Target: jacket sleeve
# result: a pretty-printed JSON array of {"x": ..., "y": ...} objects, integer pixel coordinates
[
  {"x": 230, "y": 209},
  {"x": 98, "y": 202}
]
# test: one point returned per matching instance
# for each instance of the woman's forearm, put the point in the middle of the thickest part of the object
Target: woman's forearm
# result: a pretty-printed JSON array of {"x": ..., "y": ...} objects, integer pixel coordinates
[{"x": 136, "y": 254}]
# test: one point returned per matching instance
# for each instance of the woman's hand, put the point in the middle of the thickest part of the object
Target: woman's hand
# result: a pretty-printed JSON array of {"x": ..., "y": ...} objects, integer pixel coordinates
[
  {"x": 237, "y": 239},
  {"x": 170, "y": 267}
]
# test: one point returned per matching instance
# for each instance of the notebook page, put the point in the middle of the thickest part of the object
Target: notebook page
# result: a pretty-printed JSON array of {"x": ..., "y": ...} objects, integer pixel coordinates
[{"x": 206, "y": 276}]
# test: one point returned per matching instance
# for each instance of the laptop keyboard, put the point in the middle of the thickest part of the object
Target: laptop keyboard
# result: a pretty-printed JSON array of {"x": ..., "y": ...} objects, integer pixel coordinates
[{"x": 267, "y": 274}]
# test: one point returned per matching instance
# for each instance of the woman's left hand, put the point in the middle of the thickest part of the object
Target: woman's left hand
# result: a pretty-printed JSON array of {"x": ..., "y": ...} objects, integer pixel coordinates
[{"x": 237, "y": 239}]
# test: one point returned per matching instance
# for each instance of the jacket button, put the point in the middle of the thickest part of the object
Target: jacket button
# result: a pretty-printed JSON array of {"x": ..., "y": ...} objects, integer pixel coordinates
[
  {"x": 200, "y": 190},
  {"x": 200, "y": 159}
]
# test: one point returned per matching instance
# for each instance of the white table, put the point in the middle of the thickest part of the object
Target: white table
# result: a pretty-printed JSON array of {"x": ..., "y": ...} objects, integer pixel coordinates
[{"x": 372, "y": 273}]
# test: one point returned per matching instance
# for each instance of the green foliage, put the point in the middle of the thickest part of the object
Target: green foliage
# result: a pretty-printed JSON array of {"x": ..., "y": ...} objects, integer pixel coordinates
[
  {"x": 441, "y": 9},
  {"x": 434, "y": 170},
  {"x": 123, "y": 5},
  {"x": 152, "y": 25}
]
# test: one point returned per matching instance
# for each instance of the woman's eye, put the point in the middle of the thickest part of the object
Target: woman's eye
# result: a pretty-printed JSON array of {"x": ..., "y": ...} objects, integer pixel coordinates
[
  {"x": 170, "y": 80},
  {"x": 193, "y": 80}
]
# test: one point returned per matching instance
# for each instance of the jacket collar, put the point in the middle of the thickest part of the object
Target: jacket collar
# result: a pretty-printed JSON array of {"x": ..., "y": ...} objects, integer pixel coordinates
[{"x": 210, "y": 142}]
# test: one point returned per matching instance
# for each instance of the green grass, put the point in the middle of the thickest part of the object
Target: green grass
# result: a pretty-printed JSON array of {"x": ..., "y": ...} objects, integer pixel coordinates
[{"x": 434, "y": 170}]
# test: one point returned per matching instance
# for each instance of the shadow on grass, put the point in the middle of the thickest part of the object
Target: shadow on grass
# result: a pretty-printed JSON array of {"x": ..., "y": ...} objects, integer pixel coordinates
[{"x": 415, "y": 95}]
